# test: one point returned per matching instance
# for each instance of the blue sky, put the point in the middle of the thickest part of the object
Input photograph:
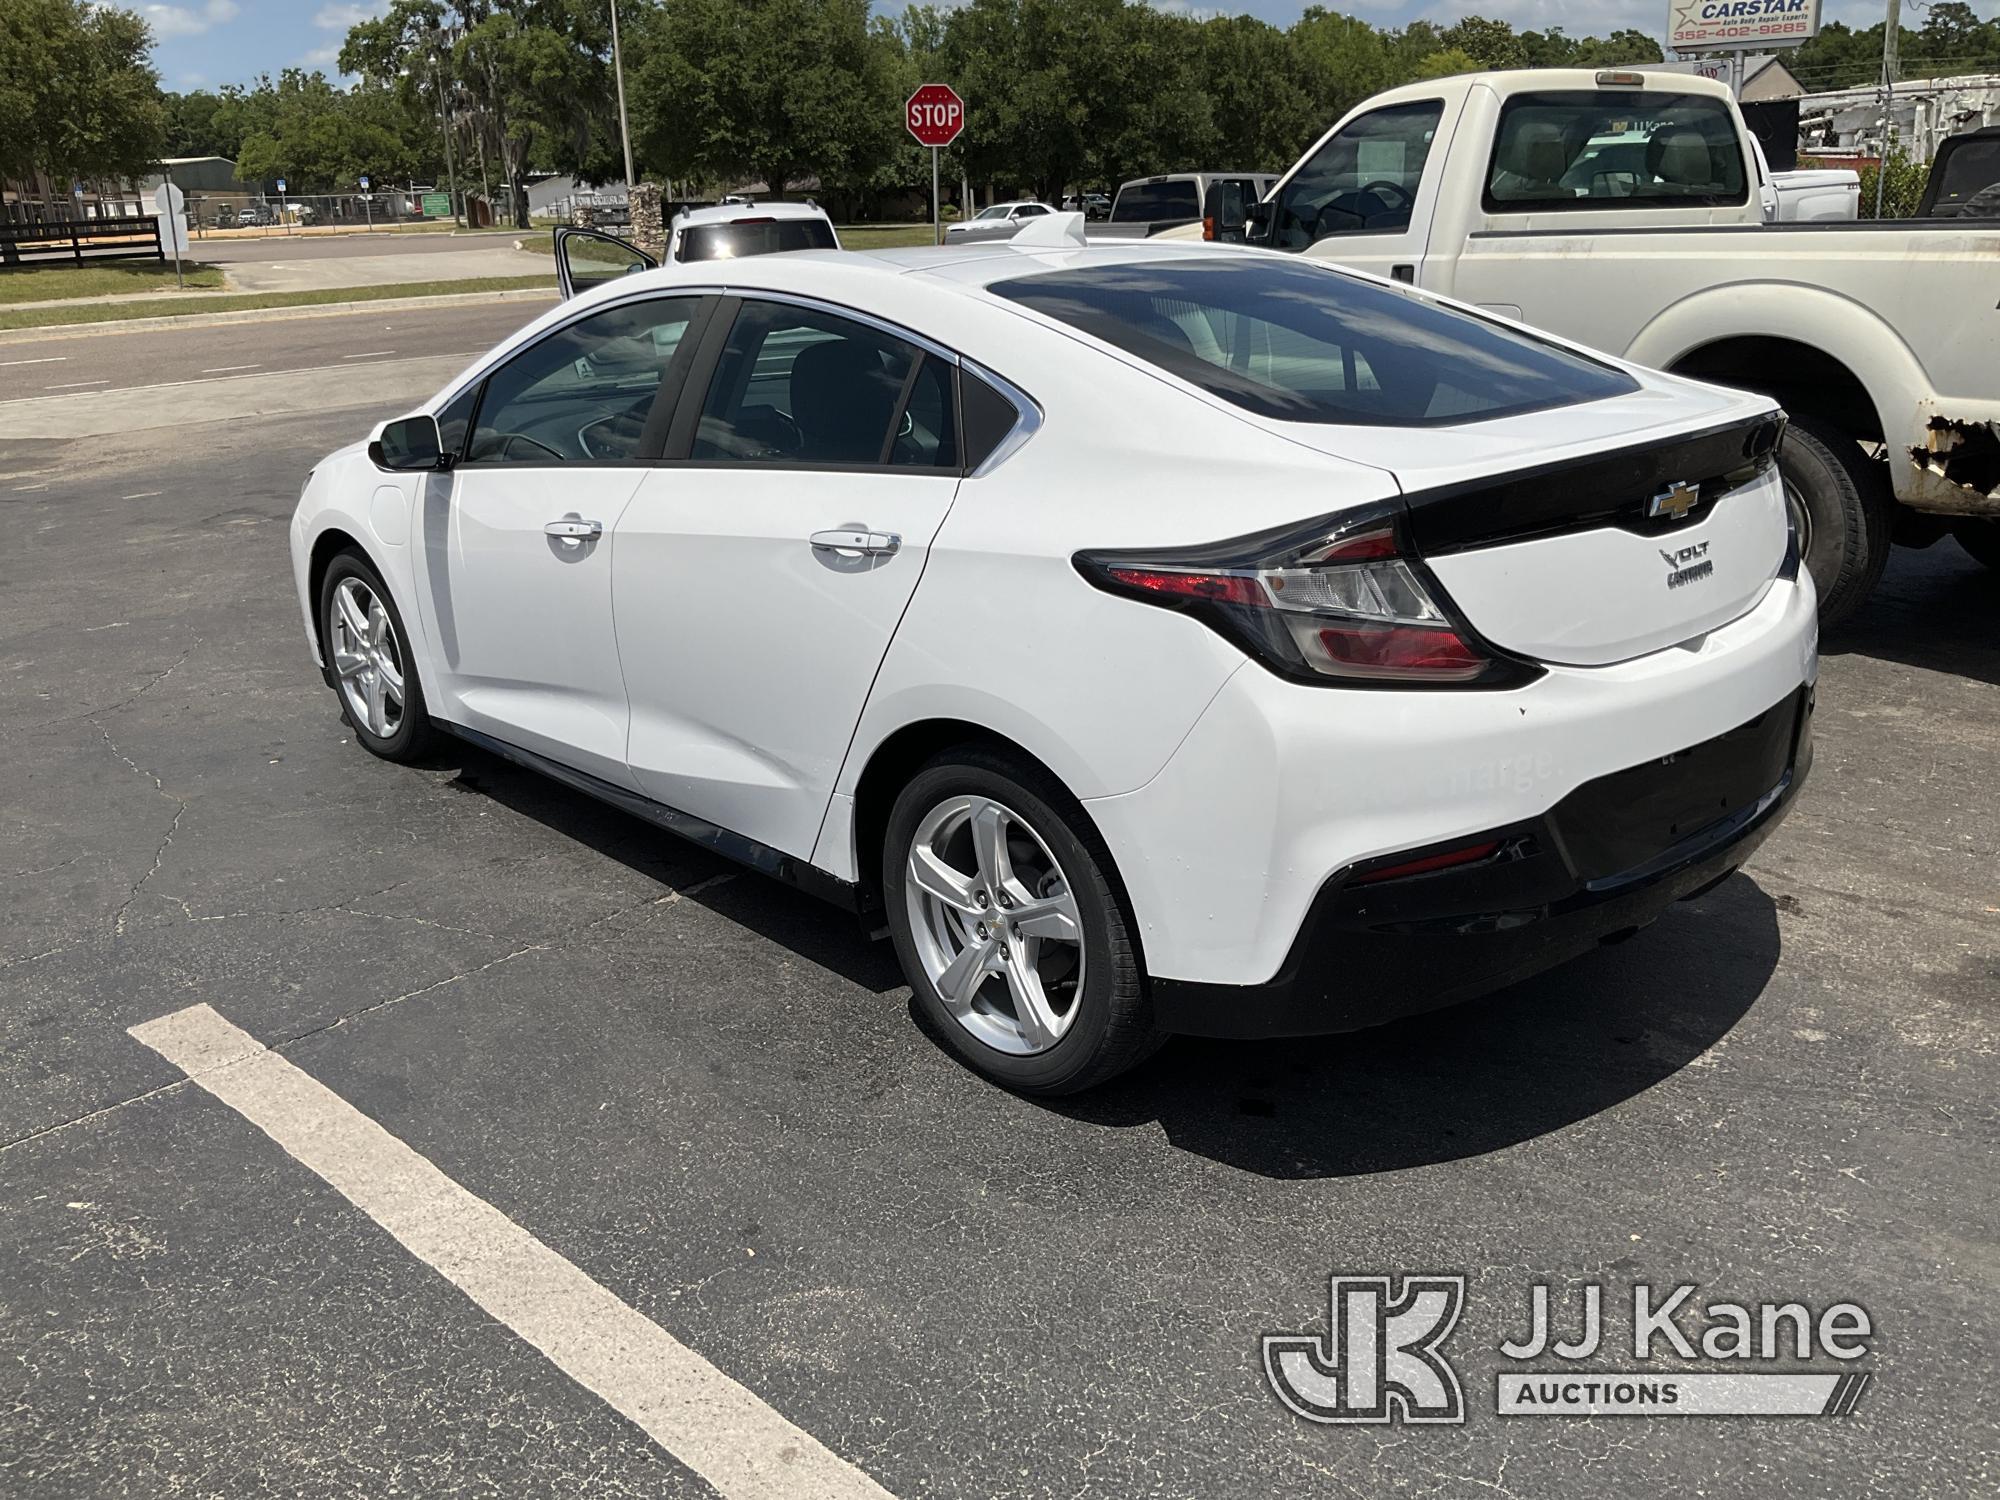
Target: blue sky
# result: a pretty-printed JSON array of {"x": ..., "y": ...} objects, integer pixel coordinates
[{"x": 206, "y": 43}]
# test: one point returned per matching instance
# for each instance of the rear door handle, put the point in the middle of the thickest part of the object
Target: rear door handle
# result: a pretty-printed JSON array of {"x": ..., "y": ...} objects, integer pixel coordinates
[
  {"x": 573, "y": 529},
  {"x": 858, "y": 543}
]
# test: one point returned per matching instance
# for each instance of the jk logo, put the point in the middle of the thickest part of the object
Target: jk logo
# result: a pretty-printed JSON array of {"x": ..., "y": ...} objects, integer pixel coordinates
[{"x": 1379, "y": 1361}]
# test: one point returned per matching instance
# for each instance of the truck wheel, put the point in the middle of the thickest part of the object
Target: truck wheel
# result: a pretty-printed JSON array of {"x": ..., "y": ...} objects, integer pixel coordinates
[
  {"x": 1981, "y": 538},
  {"x": 1843, "y": 510}
]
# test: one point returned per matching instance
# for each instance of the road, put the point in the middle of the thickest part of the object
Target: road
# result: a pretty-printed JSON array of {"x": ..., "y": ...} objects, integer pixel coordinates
[
  {"x": 705, "y": 1095},
  {"x": 260, "y": 248},
  {"x": 129, "y": 355}
]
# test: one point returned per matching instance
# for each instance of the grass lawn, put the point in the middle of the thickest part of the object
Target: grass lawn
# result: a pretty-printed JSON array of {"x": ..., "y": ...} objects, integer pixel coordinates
[
  {"x": 119, "y": 312},
  {"x": 105, "y": 279}
]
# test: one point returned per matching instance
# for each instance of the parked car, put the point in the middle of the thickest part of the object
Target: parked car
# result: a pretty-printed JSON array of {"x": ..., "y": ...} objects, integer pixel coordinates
[
  {"x": 1483, "y": 186},
  {"x": 1964, "y": 181},
  {"x": 249, "y": 216},
  {"x": 731, "y": 230},
  {"x": 726, "y": 231},
  {"x": 1158, "y": 639},
  {"x": 1148, "y": 206},
  {"x": 1090, "y": 205},
  {"x": 997, "y": 221}
]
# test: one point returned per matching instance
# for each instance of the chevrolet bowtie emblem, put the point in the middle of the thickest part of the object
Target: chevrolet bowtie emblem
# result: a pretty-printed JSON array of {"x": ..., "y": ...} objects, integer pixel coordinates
[{"x": 1675, "y": 501}]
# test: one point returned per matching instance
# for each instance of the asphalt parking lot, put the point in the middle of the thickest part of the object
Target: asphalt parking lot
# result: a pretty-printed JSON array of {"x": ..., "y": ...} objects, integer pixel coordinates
[{"x": 706, "y": 1095}]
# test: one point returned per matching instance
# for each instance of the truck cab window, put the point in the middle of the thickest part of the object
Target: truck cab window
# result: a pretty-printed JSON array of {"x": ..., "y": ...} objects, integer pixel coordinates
[
  {"x": 1363, "y": 180},
  {"x": 1597, "y": 149}
]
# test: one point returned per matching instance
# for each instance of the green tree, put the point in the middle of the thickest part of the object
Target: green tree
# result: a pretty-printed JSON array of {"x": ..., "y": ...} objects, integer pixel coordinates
[
  {"x": 1491, "y": 44},
  {"x": 1448, "y": 62},
  {"x": 778, "y": 90},
  {"x": 77, "y": 96},
  {"x": 319, "y": 138}
]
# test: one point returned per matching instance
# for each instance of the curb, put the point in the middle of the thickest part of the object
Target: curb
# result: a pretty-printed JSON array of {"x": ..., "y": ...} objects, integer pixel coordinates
[{"x": 266, "y": 314}]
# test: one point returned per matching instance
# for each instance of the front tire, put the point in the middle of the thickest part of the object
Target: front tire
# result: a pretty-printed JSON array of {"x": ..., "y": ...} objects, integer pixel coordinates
[
  {"x": 1842, "y": 506},
  {"x": 367, "y": 654},
  {"x": 1009, "y": 926}
]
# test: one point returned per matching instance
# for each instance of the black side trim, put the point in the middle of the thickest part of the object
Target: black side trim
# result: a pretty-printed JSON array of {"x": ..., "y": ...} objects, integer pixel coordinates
[
  {"x": 735, "y": 846},
  {"x": 1583, "y": 494}
]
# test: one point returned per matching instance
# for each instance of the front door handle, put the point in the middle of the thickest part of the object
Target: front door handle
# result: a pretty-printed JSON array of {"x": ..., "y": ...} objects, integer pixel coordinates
[
  {"x": 574, "y": 530},
  {"x": 850, "y": 543}
]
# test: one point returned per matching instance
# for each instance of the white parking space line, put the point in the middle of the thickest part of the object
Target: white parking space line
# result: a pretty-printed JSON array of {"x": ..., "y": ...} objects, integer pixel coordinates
[
  {"x": 70, "y": 385},
  {"x": 52, "y": 359},
  {"x": 371, "y": 354},
  {"x": 225, "y": 369},
  {"x": 706, "y": 1420},
  {"x": 141, "y": 495}
]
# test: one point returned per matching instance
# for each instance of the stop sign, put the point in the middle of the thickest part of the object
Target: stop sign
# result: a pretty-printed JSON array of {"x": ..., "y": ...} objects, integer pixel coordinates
[{"x": 935, "y": 114}]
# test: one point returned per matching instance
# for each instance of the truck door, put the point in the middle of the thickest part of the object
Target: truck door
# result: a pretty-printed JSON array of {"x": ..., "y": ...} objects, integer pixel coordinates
[{"x": 1365, "y": 196}]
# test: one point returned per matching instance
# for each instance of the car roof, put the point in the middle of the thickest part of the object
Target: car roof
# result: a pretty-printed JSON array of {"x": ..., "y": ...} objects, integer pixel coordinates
[{"x": 733, "y": 213}]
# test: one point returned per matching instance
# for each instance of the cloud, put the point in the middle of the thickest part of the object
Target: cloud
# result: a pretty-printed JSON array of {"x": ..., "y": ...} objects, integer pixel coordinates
[
  {"x": 1540, "y": 15},
  {"x": 344, "y": 17},
  {"x": 321, "y": 57},
  {"x": 170, "y": 21}
]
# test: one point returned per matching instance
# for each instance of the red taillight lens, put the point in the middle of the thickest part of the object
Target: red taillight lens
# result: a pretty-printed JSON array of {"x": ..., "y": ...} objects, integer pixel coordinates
[
  {"x": 1346, "y": 604},
  {"x": 1423, "y": 865},
  {"x": 1401, "y": 650}
]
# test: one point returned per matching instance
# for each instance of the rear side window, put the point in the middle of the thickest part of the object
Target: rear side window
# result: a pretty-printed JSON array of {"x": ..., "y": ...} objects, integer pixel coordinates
[
  {"x": 1299, "y": 343},
  {"x": 989, "y": 417},
  {"x": 754, "y": 237},
  {"x": 799, "y": 386},
  {"x": 1145, "y": 202},
  {"x": 1602, "y": 149}
]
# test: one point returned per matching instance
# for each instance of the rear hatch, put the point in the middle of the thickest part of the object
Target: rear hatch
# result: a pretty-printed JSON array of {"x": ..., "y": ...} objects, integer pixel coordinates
[{"x": 1592, "y": 533}]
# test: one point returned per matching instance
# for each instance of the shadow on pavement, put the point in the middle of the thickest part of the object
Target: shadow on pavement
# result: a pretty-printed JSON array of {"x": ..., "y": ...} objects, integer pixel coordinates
[
  {"x": 1935, "y": 608},
  {"x": 1529, "y": 1061},
  {"x": 1545, "y": 1054},
  {"x": 818, "y": 932}
]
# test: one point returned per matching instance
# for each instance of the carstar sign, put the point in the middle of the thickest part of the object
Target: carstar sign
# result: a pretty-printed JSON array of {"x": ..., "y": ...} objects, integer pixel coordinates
[{"x": 1697, "y": 25}]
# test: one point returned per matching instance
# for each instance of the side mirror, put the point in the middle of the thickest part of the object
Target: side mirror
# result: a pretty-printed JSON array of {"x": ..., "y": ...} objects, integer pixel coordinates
[
  {"x": 1222, "y": 212},
  {"x": 409, "y": 444}
]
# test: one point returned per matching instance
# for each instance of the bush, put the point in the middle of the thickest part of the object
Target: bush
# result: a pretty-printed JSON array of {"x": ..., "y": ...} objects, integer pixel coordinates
[{"x": 1902, "y": 182}]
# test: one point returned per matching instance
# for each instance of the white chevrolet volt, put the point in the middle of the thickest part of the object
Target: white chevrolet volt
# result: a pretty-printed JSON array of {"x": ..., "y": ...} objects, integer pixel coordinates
[{"x": 1160, "y": 640}]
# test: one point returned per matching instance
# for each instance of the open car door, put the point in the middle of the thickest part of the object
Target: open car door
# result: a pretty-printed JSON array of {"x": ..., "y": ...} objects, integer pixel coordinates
[{"x": 587, "y": 257}]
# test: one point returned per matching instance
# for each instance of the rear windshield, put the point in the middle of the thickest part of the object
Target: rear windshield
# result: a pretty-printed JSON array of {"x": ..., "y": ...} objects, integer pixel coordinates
[
  {"x": 731, "y": 241},
  {"x": 1144, "y": 202},
  {"x": 1609, "y": 148},
  {"x": 1301, "y": 343}
]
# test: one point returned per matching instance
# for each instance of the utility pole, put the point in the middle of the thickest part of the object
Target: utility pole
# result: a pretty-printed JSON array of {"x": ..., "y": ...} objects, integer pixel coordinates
[
  {"x": 444, "y": 121},
  {"x": 624, "y": 130},
  {"x": 1892, "y": 36}
]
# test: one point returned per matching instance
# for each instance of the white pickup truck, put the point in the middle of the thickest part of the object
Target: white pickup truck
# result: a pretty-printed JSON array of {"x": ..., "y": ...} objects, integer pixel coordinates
[{"x": 1621, "y": 209}]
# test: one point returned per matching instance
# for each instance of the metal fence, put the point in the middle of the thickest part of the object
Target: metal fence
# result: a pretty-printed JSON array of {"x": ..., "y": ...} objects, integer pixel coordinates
[{"x": 73, "y": 242}]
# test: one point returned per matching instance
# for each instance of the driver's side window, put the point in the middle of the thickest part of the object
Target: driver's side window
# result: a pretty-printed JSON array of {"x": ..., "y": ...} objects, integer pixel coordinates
[
  {"x": 583, "y": 393},
  {"x": 1364, "y": 180}
]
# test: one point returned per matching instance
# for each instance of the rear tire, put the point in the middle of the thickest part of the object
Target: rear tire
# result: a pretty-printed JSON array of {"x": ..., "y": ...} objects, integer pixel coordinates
[
  {"x": 367, "y": 653},
  {"x": 952, "y": 920},
  {"x": 1843, "y": 498},
  {"x": 1979, "y": 537}
]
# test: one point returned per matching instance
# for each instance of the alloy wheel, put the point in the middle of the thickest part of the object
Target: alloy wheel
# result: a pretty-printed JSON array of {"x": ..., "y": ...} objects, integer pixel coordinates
[
  {"x": 996, "y": 925},
  {"x": 367, "y": 658}
]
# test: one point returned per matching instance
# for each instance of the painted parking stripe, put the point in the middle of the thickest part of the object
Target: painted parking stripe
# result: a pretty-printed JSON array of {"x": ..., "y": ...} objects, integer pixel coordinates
[
  {"x": 706, "y": 1420},
  {"x": 52, "y": 359}
]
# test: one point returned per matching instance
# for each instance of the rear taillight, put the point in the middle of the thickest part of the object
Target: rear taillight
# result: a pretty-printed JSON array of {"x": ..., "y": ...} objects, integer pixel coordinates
[{"x": 1343, "y": 602}]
